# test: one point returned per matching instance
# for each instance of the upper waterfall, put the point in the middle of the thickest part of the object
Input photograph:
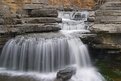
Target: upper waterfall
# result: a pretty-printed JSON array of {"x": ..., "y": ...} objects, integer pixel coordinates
[{"x": 74, "y": 20}]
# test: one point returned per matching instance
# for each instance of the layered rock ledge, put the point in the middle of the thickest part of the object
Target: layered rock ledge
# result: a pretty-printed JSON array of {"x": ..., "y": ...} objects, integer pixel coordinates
[
  {"x": 30, "y": 19},
  {"x": 107, "y": 26}
]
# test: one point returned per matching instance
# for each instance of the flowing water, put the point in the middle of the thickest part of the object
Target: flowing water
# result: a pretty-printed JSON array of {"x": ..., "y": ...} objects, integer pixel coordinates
[
  {"x": 40, "y": 56},
  {"x": 74, "y": 20}
]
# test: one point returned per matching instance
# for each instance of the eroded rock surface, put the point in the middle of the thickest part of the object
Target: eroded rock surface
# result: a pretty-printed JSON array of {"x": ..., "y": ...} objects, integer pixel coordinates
[
  {"x": 107, "y": 25},
  {"x": 27, "y": 20}
]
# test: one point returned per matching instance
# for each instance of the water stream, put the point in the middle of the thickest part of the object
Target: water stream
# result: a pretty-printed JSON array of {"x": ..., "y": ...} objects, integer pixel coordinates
[{"x": 40, "y": 56}]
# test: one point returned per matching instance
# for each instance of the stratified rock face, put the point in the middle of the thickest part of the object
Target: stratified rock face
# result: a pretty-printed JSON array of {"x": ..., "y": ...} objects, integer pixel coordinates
[
  {"x": 108, "y": 24},
  {"x": 108, "y": 17},
  {"x": 27, "y": 21}
]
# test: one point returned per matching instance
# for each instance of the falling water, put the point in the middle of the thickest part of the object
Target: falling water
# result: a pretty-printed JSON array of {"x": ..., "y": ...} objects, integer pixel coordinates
[
  {"x": 46, "y": 54},
  {"x": 28, "y": 53},
  {"x": 74, "y": 20}
]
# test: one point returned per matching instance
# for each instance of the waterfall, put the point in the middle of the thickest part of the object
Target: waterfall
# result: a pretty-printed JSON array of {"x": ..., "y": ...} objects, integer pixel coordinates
[
  {"x": 73, "y": 20},
  {"x": 43, "y": 55},
  {"x": 46, "y": 54}
]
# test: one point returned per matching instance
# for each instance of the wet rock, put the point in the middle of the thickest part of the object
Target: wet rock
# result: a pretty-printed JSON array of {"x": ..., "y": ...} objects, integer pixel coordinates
[
  {"x": 91, "y": 19},
  {"x": 10, "y": 77},
  {"x": 1, "y": 21},
  {"x": 65, "y": 74},
  {"x": 91, "y": 13},
  {"x": 18, "y": 21},
  {"x": 44, "y": 13}
]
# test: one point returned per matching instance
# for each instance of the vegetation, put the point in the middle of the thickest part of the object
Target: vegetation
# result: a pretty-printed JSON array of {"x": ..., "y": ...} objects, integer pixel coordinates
[{"x": 110, "y": 71}]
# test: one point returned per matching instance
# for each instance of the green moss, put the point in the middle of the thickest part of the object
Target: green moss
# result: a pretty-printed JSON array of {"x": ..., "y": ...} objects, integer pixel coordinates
[{"x": 110, "y": 72}]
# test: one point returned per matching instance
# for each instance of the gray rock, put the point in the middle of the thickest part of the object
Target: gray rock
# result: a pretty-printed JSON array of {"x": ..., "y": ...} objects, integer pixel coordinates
[
  {"x": 108, "y": 20},
  {"x": 1, "y": 21},
  {"x": 91, "y": 19},
  {"x": 108, "y": 13},
  {"x": 44, "y": 13},
  {"x": 31, "y": 6},
  {"x": 33, "y": 28},
  {"x": 41, "y": 20},
  {"x": 37, "y": 6},
  {"x": 66, "y": 74},
  {"x": 107, "y": 28},
  {"x": 113, "y": 5}
]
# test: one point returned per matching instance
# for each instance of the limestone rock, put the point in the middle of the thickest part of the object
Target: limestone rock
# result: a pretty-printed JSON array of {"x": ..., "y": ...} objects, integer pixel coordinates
[
  {"x": 33, "y": 28},
  {"x": 108, "y": 12},
  {"x": 44, "y": 13},
  {"x": 108, "y": 20},
  {"x": 107, "y": 25},
  {"x": 91, "y": 19},
  {"x": 109, "y": 28},
  {"x": 111, "y": 5},
  {"x": 66, "y": 74},
  {"x": 39, "y": 20},
  {"x": 1, "y": 21}
]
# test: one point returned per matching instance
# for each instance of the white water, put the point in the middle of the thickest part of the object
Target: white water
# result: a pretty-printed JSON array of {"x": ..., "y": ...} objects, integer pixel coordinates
[
  {"x": 74, "y": 20},
  {"x": 47, "y": 55}
]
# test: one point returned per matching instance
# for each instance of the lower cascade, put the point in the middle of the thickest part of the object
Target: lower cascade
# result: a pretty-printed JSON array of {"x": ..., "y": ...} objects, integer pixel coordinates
[{"x": 40, "y": 56}]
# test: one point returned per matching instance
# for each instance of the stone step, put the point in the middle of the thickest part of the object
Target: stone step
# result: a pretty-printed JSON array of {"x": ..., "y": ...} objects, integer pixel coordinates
[
  {"x": 6, "y": 29},
  {"x": 38, "y": 20},
  {"x": 33, "y": 28},
  {"x": 107, "y": 28},
  {"x": 107, "y": 47},
  {"x": 44, "y": 13},
  {"x": 37, "y": 6},
  {"x": 108, "y": 13},
  {"x": 29, "y": 28},
  {"x": 108, "y": 19},
  {"x": 111, "y": 6},
  {"x": 114, "y": 4}
]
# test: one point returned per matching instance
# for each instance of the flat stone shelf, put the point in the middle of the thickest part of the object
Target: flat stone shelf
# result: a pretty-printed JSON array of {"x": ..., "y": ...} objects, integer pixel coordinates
[
  {"x": 29, "y": 28},
  {"x": 44, "y": 13},
  {"x": 106, "y": 46},
  {"x": 111, "y": 6},
  {"x": 108, "y": 19},
  {"x": 108, "y": 13},
  {"x": 39, "y": 20},
  {"x": 107, "y": 28}
]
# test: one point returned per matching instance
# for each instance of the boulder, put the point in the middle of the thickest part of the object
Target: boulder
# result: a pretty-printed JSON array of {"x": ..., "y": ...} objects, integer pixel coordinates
[
  {"x": 91, "y": 19},
  {"x": 65, "y": 74}
]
